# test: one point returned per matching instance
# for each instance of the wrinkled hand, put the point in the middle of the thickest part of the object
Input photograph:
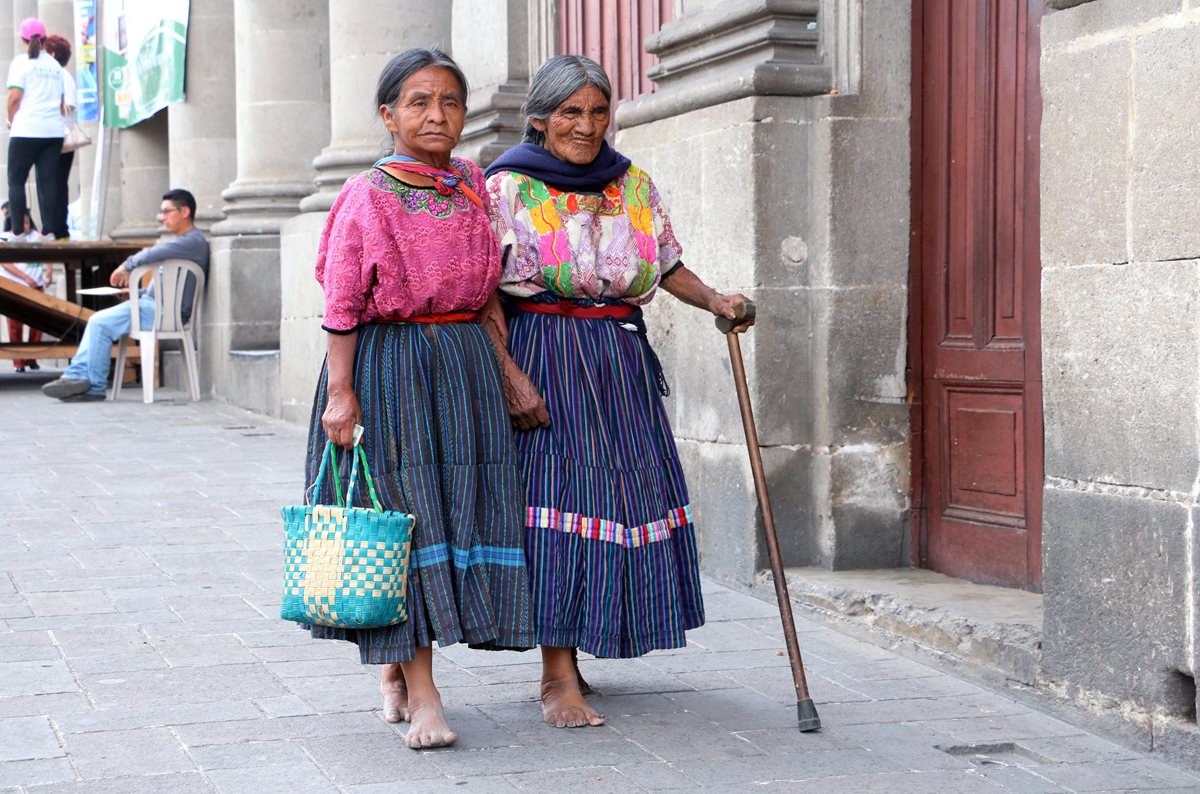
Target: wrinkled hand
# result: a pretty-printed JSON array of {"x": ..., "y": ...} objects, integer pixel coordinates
[
  {"x": 723, "y": 306},
  {"x": 342, "y": 413},
  {"x": 525, "y": 405},
  {"x": 119, "y": 277}
]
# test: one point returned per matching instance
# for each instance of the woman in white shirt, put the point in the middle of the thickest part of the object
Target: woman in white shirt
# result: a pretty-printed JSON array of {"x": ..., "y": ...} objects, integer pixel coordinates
[
  {"x": 60, "y": 49},
  {"x": 36, "y": 128}
]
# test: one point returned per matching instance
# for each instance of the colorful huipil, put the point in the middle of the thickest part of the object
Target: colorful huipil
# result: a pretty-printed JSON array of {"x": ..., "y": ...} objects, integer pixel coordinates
[
  {"x": 438, "y": 435},
  {"x": 609, "y": 535}
]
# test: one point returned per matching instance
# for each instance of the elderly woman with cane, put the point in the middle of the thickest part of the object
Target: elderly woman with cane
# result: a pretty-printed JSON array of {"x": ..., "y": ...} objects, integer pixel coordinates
[
  {"x": 586, "y": 243},
  {"x": 408, "y": 261}
]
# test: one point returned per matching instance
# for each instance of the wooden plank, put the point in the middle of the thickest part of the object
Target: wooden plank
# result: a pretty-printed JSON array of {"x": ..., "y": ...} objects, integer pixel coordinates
[
  {"x": 51, "y": 315},
  {"x": 8, "y": 352}
]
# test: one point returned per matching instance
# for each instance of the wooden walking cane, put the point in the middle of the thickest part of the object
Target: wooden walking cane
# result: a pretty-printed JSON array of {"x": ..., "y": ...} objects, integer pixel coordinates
[{"x": 806, "y": 712}]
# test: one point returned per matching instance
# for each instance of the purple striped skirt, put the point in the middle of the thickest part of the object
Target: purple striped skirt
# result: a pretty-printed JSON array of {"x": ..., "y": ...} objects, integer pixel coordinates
[
  {"x": 440, "y": 445},
  {"x": 609, "y": 535}
]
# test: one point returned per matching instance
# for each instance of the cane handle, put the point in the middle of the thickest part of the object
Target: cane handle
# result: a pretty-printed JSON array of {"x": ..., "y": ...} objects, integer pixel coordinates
[{"x": 743, "y": 311}]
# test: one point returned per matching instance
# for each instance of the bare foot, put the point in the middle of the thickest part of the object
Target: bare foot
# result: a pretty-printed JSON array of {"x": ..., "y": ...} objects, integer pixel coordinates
[
  {"x": 563, "y": 705},
  {"x": 395, "y": 694},
  {"x": 585, "y": 688},
  {"x": 428, "y": 724}
]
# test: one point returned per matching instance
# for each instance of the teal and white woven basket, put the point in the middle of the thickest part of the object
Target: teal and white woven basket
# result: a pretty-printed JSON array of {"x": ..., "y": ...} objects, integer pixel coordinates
[{"x": 345, "y": 566}]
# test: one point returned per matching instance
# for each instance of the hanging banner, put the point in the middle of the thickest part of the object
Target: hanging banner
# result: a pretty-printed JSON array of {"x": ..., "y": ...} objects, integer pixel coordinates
[
  {"x": 87, "y": 101},
  {"x": 144, "y": 46}
]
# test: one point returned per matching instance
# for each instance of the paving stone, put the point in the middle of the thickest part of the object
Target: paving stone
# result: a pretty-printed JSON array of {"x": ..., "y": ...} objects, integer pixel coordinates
[
  {"x": 181, "y": 685},
  {"x": 659, "y": 734},
  {"x": 906, "y": 783},
  {"x": 281, "y": 728},
  {"x": 511, "y": 760},
  {"x": 330, "y": 694},
  {"x": 28, "y": 739},
  {"x": 980, "y": 730},
  {"x": 188, "y": 651},
  {"x": 118, "y": 663},
  {"x": 731, "y": 636},
  {"x": 1131, "y": 774},
  {"x": 728, "y": 660},
  {"x": 128, "y": 718},
  {"x": 293, "y": 778},
  {"x": 765, "y": 768},
  {"x": 594, "y": 778},
  {"x": 285, "y": 706},
  {"x": 371, "y": 758},
  {"x": 247, "y": 755},
  {"x": 482, "y": 784},
  {"x": 35, "y": 678},
  {"x": 32, "y": 773},
  {"x": 782, "y": 741},
  {"x": 1015, "y": 778},
  {"x": 656, "y": 776},
  {"x": 737, "y": 710},
  {"x": 79, "y": 602},
  {"x": 35, "y": 705},
  {"x": 144, "y": 751}
]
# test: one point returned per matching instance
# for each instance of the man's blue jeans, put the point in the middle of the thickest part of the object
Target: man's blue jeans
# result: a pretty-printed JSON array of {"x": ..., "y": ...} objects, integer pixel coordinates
[{"x": 92, "y": 361}]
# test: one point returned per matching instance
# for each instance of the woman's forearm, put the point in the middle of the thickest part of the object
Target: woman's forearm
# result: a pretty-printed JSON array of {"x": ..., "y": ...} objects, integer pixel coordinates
[
  {"x": 687, "y": 286},
  {"x": 342, "y": 350}
]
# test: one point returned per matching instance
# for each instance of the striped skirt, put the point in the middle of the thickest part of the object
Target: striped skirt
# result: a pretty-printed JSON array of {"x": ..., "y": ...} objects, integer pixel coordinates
[
  {"x": 440, "y": 446},
  {"x": 609, "y": 536}
]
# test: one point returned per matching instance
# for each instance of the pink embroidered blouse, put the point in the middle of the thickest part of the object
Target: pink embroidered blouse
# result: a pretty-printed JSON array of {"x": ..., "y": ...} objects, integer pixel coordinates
[
  {"x": 391, "y": 249},
  {"x": 614, "y": 244}
]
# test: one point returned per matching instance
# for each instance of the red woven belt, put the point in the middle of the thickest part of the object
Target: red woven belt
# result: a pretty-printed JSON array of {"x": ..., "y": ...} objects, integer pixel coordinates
[
  {"x": 569, "y": 309},
  {"x": 447, "y": 317}
]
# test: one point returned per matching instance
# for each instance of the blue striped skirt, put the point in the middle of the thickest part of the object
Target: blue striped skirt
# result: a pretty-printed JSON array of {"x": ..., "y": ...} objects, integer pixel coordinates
[
  {"x": 440, "y": 445},
  {"x": 609, "y": 535}
]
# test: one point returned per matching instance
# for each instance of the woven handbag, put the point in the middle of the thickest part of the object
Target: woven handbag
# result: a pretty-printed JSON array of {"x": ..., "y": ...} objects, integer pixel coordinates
[{"x": 345, "y": 566}]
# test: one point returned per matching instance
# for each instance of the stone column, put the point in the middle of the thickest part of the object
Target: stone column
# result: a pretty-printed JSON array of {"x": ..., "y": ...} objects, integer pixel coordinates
[
  {"x": 492, "y": 42},
  {"x": 363, "y": 35},
  {"x": 143, "y": 176},
  {"x": 282, "y": 110},
  {"x": 282, "y": 79},
  {"x": 798, "y": 199},
  {"x": 203, "y": 129}
]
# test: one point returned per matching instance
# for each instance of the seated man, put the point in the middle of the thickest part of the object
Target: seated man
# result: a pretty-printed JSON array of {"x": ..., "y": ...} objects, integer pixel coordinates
[{"x": 87, "y": 376}]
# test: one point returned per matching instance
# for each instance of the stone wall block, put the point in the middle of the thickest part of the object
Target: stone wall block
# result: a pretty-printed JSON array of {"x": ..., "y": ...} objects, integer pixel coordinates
[
  {"x": 778, "y": 356},
  {"x": 1166, "y": 145},
  {"x": 1120, "y": 346},
  {"x": 144, "y": 176},
  {"x": 868, "y": 203},
  {"x": 703, "y": 395},
  {"x": 1115, "y": 590},
  {"x": 1100, "y": 16},
  {"x": 243, "y": 292},
  {"x": 723, "y": 508},
  {"x": 865, "y": 364},
  {"x": 869, "y": 505},
  {"x": 886, "y": 55},
  {"x": 301, "y": 340},
  {"x": 781, "y": 210},
  {"x": 1085, "y": 100}
]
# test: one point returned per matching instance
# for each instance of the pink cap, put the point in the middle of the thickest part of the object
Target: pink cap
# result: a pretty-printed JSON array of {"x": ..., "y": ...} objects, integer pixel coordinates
[{"x": 32, "y": 27}]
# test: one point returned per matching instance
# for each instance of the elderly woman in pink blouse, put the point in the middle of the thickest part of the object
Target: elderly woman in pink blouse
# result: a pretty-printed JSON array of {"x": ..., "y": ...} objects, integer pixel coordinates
[
  {"x": 409, "y": 265},
  {"x": 586, "y": 243}
]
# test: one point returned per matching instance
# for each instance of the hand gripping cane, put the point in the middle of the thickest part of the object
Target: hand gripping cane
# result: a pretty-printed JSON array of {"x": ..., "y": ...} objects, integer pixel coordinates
[{"x": 806, "y": 712}]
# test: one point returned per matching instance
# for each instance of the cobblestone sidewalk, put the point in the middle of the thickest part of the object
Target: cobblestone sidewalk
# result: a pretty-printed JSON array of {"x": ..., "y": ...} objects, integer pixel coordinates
[{"x": 139, "y": 651}]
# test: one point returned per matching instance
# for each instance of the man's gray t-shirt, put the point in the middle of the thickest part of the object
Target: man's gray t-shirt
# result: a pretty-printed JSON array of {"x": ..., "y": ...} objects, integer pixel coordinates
[{"x": 190, "y": 245}]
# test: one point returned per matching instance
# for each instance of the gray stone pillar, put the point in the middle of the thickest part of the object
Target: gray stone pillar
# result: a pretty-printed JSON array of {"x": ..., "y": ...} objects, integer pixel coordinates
[
  {"x": 798, "y": 199},
  {"x": 363, "y": 36},
  {"x": 203, "y": 129},
  {"x": 21, "y": 10},
  {"x": 143, "y": 176},
  {"x": 492, "y": 42},
  {"x": 282, "y": 110}
]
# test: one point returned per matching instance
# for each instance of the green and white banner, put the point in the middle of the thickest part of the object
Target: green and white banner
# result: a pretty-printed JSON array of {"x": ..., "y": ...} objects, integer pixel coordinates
[{"x": 144, "y": 44}]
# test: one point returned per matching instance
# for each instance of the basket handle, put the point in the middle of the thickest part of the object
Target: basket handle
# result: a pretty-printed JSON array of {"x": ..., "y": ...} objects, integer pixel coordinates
[{"x": 361, "y": 457}]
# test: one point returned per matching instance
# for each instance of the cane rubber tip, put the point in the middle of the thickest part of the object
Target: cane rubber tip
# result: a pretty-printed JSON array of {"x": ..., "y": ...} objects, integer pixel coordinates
[
  {"x": 743, "y": 311},
  {"x": 806, "y": 714}
]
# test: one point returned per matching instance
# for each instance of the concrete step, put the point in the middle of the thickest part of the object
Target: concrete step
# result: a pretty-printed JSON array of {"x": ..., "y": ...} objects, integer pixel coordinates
[{"x": 993, "y": 632}]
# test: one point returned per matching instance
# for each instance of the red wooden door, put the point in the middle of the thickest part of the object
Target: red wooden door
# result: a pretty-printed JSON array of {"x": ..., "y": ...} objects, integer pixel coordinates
[
  {"x": 977, "y": 108},
  {"x": 613, "y": 33}
]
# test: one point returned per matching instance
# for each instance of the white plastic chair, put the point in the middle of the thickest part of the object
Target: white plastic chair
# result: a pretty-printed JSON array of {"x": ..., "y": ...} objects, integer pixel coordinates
[{"x": 169, "y": 278}]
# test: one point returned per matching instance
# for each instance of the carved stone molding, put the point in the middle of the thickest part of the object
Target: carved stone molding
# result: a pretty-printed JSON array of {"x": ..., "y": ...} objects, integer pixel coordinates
[{"x": 756, "y": 48}]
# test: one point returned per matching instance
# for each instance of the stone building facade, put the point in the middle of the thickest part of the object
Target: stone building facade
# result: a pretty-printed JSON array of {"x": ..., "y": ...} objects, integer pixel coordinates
[{"x": 781, "y": 134}]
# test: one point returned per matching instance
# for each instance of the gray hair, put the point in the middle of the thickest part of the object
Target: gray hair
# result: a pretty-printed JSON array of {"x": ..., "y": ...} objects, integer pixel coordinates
[
  {"x": 407, "y": 63},
  {"x": 555, "y": 80}
]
